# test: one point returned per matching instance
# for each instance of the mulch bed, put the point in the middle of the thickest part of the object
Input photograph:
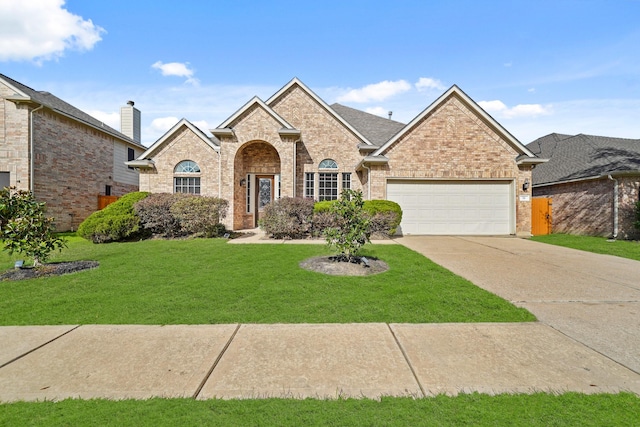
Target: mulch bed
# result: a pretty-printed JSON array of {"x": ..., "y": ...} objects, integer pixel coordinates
[
  {"x": 339, "y": 267},
  {"x": 53, "y": 269}
]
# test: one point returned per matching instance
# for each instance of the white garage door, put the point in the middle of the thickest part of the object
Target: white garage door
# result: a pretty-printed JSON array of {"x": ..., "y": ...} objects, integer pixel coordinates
[{"x": 453, "y": 207}]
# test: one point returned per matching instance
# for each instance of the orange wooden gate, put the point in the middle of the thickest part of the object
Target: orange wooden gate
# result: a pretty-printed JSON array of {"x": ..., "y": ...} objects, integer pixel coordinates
[
  {"x": 541, "y": 216},
  {"x": 103, "y": 201}
]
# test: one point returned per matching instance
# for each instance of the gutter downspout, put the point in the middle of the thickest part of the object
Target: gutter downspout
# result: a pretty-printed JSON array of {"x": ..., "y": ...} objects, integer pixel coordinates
[
  {"x": 31, "y": 149},
  {"x": 219, "y": 174},
  {"x": 615, "y": 207}
]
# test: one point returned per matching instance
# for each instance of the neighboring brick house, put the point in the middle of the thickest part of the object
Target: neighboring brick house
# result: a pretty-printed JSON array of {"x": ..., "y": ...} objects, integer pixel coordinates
[
  {"x": 64, "y": 156},
  {"x": 453, "y": 169},
  {"x": 593, "y": 182}
]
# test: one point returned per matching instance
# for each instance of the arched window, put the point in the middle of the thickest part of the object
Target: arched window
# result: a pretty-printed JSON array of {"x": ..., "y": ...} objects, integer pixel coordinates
[
  {"x": 187, "y": 166},
  {"x": 328, "y": 181},
  {"x": 186, "y": 179},
  {"x": 328, "y": 164}
]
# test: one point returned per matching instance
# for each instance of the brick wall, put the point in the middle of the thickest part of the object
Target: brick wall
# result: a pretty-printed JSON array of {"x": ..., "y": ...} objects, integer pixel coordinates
[
  {"x": 586, "y": 207},
  {"x": 73, "y": 164},
  {"x": 182, "y": 145},
  {"x": 453, "y": 143}
]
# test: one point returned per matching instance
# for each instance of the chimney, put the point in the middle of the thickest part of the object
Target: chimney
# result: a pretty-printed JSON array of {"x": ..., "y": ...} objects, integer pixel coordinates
[
  {"x": 130, "y": 121},
  {"x": 390, "y": 114}
]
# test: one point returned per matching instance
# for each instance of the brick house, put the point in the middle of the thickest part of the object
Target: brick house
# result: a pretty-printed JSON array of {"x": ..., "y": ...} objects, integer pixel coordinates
[
  {"x": 593, "y": 181},
  {"x": 453, "y": 169},
  {"x": 64, "y": 156}
]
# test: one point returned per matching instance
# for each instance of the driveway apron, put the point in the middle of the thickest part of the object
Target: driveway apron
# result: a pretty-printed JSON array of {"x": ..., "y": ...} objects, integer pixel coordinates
[{"x": 591, "y": 298}]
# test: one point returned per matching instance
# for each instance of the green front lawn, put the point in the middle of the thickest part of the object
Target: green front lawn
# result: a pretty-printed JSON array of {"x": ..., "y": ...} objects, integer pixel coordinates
[
  {"x": 205, "y": 281},
  {"x": 570, "y": 409},
  {"x": 600, "y": 245}
]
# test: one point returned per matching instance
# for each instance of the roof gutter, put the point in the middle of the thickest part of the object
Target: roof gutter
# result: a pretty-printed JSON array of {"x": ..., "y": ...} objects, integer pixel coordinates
[
  {"x": 372, "y": 160},
  {"x": 32, "y": 150},
  {"x": 590, "y": 178}
]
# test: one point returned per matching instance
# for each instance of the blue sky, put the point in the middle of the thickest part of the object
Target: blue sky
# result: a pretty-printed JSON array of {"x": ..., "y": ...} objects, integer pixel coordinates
[{"x": 567, "y": 66}]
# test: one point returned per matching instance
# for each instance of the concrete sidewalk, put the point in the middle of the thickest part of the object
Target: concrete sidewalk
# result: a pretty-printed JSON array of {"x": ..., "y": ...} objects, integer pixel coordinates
[{"x": 298, "y": 360}]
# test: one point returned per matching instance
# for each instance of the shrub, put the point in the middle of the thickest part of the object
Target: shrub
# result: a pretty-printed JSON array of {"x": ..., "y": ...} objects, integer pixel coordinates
[
  {"x": 324, "y": 206},
  {"x": 156, "y": 216},
  {"x": 116, "y": 222},
  {"x": 637, "y": 223},
  {"x": 353, "y": 224},
  {"x": 288, "y": 217},
  {"x": 200, "y": 215},
  {"x": 322, "y": 221},
  {"x": 385, "y": 216},
  {"x": 24, "y": 228}
]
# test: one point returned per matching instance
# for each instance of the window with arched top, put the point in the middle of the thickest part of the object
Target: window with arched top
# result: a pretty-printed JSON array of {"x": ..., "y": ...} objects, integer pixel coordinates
[
  {"x": 328, "y": 164},
  {"x": 328, "y": 181},
  {"x": 187, "y": 166},
  {"x": 187, "y": 179}
]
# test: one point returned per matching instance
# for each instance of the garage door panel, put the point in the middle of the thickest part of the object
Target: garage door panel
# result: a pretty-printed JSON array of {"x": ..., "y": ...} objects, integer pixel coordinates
[{"x": 461, "y": 207}]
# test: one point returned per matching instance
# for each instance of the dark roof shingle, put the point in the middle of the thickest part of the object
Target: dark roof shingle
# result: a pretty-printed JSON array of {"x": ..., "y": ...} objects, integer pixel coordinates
[
  {"x": 376, "y": 129},
  {"x": 55, "y": 103},
  {"x": 583, "y": 156}
]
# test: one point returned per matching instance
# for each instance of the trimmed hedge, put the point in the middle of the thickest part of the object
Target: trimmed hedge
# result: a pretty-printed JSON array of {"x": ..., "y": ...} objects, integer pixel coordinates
[
  {"x": 117, "y": 221},
  {"x": 201, "y": 215},
  {"x": 155, "y": 214},
  {"x": 385, "y": 215},
  {"x": 288, "y": 217}
]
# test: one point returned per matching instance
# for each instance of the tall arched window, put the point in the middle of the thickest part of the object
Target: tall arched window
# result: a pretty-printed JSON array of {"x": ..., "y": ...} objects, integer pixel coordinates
[
  {"x": 186, "y": 177},
  {"x": 328, "y": 181}
]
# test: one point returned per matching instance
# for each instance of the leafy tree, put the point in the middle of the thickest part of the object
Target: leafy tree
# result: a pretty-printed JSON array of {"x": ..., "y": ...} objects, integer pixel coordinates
[
  {"x": 352, "y": 229},
  {"x": 637, "y": 223},
  {"x": 24, "y": 227}
]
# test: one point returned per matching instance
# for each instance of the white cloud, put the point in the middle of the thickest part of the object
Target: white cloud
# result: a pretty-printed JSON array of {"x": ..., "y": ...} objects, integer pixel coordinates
[
  {"x": 109, "y": 119},
  {"x": 41, "y": 30},
  {"x": 531, "y": 90},
  {"x": 375, "y": 92},
  {"x": 203, "y": 125},
  {"x": 180, "y": 69},
  {"x": 426, "y": 83},
  {"x": 378, "y": 111},
  {"x": 161, "y": 125},
  {"x": 521, "y": 110}
]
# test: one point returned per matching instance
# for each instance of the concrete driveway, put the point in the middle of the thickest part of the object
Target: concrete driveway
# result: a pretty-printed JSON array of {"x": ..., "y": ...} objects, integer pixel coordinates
[{"x": 592, "y": 298}]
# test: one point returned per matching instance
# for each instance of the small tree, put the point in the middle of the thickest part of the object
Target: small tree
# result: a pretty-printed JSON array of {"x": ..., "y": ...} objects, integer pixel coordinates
[
  {"x": 24, "y": 228},
  {"x": 637, "y": 223},
  {"x": 352, "y": 229}
]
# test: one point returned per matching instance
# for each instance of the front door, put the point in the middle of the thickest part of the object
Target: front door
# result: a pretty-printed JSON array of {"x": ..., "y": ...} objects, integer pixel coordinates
[{"x": 264, "y": 195}]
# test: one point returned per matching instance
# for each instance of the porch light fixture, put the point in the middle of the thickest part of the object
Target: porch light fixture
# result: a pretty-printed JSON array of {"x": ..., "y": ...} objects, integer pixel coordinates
[
  {"x": 525, "y": 186},
  {"x": 243, "y": 182}
]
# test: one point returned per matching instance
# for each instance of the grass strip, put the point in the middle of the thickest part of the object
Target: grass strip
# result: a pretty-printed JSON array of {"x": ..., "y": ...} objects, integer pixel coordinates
[
  {"x": 570, "y": 409},
  {"x": 600, "y": 245}
]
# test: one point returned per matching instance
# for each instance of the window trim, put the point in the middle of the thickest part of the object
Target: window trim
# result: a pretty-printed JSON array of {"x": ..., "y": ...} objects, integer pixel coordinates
[{"x": 328, "y": 164}]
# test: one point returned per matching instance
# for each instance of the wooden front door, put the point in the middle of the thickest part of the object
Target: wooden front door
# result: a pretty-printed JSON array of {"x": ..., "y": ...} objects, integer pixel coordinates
[
  {"x": 264, "y": 194},
  {"x": 541, "y": 216}
]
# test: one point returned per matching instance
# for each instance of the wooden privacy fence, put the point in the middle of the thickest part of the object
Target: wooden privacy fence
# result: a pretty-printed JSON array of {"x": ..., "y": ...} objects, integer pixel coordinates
[
  {"x": 541, "y": 216},
  {"x": 104, "y": 201}
]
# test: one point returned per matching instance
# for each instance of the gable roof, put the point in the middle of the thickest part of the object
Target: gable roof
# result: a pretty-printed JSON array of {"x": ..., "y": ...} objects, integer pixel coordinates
[
  {"x": 26, "y": 94},
  {"x": 296, "y": 82},
  {"x": 579, "y": 157},
  {"x": 144, "y": 160},
  {"x": 456, "y": 91},
  {"x": 261, "y": 104},
  {"x": 376, "y": 129}
]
